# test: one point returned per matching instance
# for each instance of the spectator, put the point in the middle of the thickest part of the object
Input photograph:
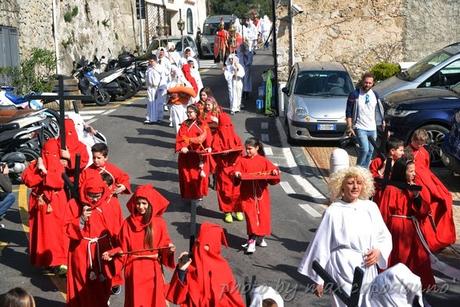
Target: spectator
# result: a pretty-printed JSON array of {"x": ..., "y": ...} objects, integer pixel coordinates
[
  {"x": 17, "y": 297},
  {"x": 364, "y": 113},
  {"x": 7, "y": 198}
]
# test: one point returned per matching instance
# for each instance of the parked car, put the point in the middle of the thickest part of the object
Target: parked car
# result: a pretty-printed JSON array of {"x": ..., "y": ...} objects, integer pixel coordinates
[
  {"x": 450, "y": 153},
  {"x": 429, "y": 108},
  {"x": 315, "y": 99},
  {"x": 210, "y": 27},
  {"x": 439, "y": 69},
  {"x": 181, "y": 43}
]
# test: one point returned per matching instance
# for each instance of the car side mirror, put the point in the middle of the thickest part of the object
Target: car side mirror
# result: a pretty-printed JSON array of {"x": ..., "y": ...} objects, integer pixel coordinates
[{"x": 285, "y": 90}]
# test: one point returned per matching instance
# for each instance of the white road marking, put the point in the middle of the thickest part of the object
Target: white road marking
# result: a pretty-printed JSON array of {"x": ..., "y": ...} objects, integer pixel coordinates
[
  {"x": 287, "y": 187},
  {"x": 91, "y": 121},
  {"x": 290, "y": 162},
  {"x": 308, "y": 187},
  {"x": 108, "y": 112},
  {"x": 87, "y": 117},
  {"x": 310, "y": 210},
  {"x": 87, "y": 112},
  {"x": 264, "y": 125},
  {"x": 268, "y": 151},
  {"x": 264, "y": 137}
]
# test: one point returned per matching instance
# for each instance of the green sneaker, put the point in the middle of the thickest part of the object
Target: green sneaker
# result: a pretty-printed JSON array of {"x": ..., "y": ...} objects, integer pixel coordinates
[
  {"x": 228, "y": 217},
  {"x": 61, "y": 270},
  {"x": 239, "y": 216}
]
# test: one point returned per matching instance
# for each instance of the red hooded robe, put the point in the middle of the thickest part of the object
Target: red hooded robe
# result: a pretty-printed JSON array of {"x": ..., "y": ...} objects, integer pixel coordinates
[
  {"x": 255, "y": 196},
  {"x": 74, "y": 146},
  {"x": 440, "y": 205},
  {"x": 145, "y": 285},
  {"x": 228, "y": 194},
  {"x": 48, "y": 244},
  {"x": 209, "y": 281},
  {"x": 196, "y": 137},
  {"x": 88, "y": 278}
]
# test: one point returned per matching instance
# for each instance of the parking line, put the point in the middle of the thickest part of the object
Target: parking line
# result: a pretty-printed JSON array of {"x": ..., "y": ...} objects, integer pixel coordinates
[
  {"x": 264, "y": 137},
  {"x": 88, "y": 112},
  {"x": 87, "y": 117},
  {"x": 310, "y": 210},
  {"x": 264, "y": 125},
  {"x": 287, "y": 187},
  {"x": 108, "y": 112},
  {"x": 91, "y": 121}
]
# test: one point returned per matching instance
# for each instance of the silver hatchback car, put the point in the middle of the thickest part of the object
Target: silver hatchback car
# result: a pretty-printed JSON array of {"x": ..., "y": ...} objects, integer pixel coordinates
[{"x": 315, "y": 99}]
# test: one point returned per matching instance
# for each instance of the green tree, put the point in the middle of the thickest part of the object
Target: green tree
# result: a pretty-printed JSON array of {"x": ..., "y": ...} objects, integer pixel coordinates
[{"x": 239, "y": 8}]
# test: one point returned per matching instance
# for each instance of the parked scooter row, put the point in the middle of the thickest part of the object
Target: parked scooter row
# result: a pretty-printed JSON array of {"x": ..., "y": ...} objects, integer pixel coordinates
[{"x": 121, "y": 79}]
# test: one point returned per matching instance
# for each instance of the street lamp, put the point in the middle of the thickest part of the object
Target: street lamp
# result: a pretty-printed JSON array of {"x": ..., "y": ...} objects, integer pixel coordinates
[{"x": 181, "y": 23}]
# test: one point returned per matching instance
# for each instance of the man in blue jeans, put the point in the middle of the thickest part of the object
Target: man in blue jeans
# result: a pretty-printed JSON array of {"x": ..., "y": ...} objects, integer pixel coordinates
[
  {"x": 363, "y": 114},
  {"x": 7, "y": 198}
]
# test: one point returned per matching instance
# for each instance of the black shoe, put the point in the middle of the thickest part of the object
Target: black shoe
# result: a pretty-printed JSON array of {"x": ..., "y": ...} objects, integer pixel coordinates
[{"x": 116, "y": 290}]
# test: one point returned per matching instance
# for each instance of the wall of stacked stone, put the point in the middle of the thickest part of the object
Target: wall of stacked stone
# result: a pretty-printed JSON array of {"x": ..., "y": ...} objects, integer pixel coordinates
[
  {"x": 361, "y": 33},
  {"x": 98, "y": 27}
]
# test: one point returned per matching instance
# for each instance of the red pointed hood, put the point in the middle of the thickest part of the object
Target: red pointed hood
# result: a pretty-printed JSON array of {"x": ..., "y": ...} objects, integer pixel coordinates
[
  {"x": 226, "y": 137},
  {"x": 93, "y": 183}
]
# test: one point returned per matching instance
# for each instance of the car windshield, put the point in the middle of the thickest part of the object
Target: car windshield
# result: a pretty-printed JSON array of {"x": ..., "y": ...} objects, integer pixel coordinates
[
  {"x": 323, "y": 83},
  {"x": 211, "y": 28},
  {"x": 424, "y": 65}
]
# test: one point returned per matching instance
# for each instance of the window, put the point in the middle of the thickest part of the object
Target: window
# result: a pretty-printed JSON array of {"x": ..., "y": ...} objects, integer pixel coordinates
[
  {"x": 189, "y": 21},
  {"x": 9, "y": 48}
]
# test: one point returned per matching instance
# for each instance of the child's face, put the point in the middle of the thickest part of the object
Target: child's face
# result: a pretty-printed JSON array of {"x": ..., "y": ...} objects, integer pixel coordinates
[
  {"x": 99, "y": 159},
  {"x": 417, "y": 144},
  {"x": 141, "y": 205},
  {"x": 251, "y": 151},
  {"x": 203, "y": 96},
  {"x": 410, "y": 173},
  {"x": 397, "y": 153},
  {"x": 209, "y": 106},
  {"x": 191, "y": 114}
]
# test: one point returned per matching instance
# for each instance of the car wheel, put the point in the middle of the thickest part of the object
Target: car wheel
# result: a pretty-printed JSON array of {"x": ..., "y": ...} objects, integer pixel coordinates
[{"x": 436, "y": 135}]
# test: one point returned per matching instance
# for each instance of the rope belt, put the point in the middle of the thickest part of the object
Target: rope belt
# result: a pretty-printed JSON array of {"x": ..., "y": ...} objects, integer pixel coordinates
[
  {"x": 417, "y": 229},
  {"x": 92, "y": 274}
]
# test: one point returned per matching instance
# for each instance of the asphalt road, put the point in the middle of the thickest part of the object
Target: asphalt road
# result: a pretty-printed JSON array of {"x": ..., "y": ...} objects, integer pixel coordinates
[{"x": 146, "y": 152}]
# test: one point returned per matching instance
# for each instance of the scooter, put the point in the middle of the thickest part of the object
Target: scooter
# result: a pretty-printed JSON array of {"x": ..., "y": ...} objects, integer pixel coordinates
[
  {"x": 8, "y": 98},
  {"x": 90, "y": 85}
]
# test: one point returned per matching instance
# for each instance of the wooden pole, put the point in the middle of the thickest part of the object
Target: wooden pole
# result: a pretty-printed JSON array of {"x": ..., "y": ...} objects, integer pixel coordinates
[{"x": 61, "y": 111}]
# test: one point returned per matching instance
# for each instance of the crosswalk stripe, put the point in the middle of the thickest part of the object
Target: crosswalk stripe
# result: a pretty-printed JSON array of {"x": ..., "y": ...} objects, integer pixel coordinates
[
  {"x": 91, "y": 121},
  {"x": 308, "y": 187},
  {"x": 287, "y": 187},
  {"x": 290, "y": 162},
  {"x": 108, "y": 112},
  {"x": 310, "y": 210},
  {"x": 268, "y": 151},
  {"x": 87, "y": 117}
]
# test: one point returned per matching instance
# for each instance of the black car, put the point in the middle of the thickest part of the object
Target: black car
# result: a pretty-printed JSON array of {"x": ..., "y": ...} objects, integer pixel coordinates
[{"x": 429, "y": 108}]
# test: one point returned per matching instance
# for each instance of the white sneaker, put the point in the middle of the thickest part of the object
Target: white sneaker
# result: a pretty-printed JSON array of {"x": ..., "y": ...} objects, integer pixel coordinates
[
  {"x": 251, "y": 247},
  {"x": 262, "y": 243}
]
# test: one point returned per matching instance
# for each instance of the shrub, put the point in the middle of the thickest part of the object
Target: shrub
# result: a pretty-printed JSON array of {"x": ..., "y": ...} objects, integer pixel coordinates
[
  {"x": 384, "y": 70},
  {"x": 34, "y": 74},
  {"x": 70, "y": 14}
]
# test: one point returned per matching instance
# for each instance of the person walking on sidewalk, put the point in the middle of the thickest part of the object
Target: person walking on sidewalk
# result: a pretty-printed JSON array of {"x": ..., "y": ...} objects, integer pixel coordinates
[
  {"x": 234, "y": 74},
  {"x": 156, "y": 90},
  {"x": 364, "y": 113}
]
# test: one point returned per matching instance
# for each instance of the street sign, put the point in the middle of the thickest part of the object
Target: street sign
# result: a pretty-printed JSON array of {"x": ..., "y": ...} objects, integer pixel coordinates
[{"x": 140, "y": 9}]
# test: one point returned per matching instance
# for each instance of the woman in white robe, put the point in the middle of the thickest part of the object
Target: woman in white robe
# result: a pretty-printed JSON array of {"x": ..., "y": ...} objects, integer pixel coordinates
[
  {"x": 352, "y": 234},
  {"x": 234, "y": 74}
]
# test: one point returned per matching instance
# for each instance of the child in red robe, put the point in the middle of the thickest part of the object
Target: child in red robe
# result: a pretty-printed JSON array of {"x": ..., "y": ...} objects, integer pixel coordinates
[
  {"x": 91, "y": 229},
  {"x": 228, "y": 194},
  {"x": 205, "y": 280},
  {"x": 193, "y": 137},
  {"x": 380, "y": 170},
  {"x": 255, "y": 196},
  {"x": 403, "y": 211},
  {"x": 73, "y": 147},
  {"x": 439, "y": 228},
  {"x": 48, "y": 244},
  {"x": 144, "y": 247}
]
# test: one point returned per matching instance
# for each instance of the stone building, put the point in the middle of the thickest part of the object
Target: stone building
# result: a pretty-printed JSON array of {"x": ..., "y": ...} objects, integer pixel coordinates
[
  {"x": 361, "y": 33},
  {"x": 75, "y": 28}
]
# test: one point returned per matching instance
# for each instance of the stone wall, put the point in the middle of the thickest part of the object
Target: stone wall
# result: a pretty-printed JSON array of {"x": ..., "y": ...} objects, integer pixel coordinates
[
  {"x": 360, "y": 33},
  {"x": 9, "y": 13}
]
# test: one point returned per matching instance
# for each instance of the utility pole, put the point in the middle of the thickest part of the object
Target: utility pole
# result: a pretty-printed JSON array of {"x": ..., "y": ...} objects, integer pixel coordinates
[
  {"x": 275, "y": 55},
  {"x": 291, "y": 34}
]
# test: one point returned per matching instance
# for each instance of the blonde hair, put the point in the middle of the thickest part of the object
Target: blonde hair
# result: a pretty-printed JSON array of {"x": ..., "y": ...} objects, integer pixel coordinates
[
  {"x": 338, "y": 178},
  {"x": 420, "y": 135}
]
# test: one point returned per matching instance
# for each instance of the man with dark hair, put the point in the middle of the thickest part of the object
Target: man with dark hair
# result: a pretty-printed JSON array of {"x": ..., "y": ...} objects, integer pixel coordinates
[{"x": 364, "y": 113}]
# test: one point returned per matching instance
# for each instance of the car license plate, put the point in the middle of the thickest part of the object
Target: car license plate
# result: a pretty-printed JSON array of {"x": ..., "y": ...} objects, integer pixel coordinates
[{"x": 326, "y": 127}]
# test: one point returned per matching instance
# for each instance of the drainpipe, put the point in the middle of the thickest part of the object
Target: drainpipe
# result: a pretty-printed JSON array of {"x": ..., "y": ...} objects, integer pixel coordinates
[{"x": 55, "y": 35}]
